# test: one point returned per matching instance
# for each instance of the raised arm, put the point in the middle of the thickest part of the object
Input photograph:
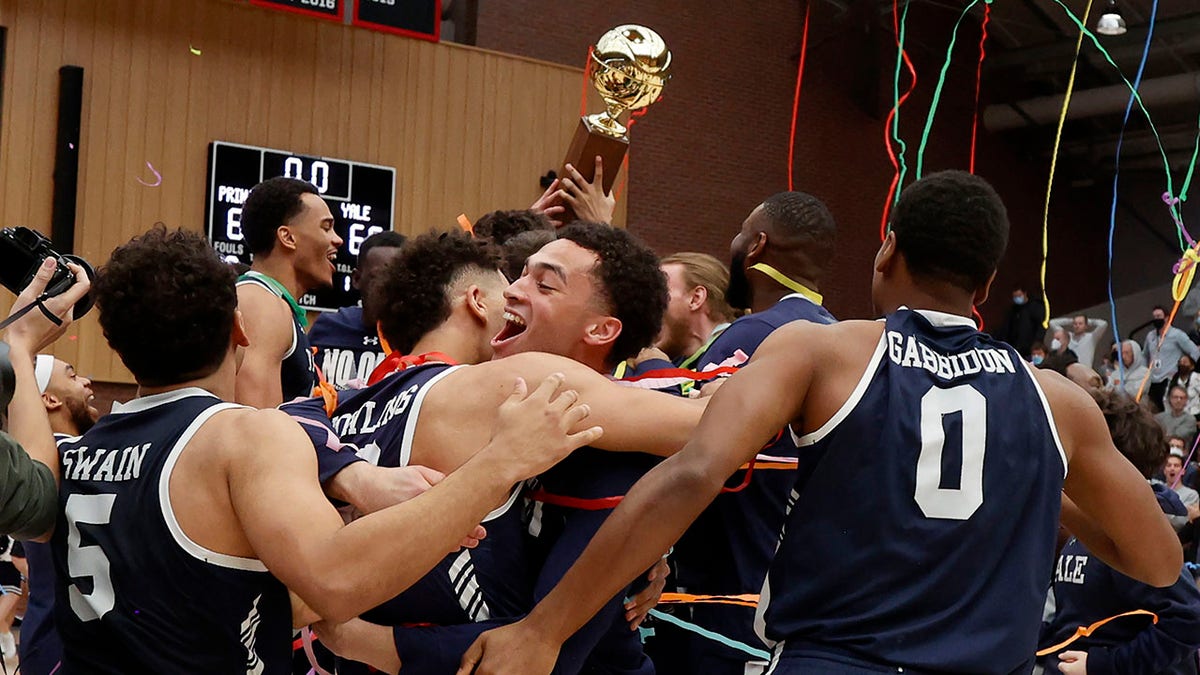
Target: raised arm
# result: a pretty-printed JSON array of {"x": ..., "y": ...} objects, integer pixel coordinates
[
  {"x": 1097, "y": 325},
  {"x": 340, "y": 571},
  {"x": 269, "y": 328},
  {"x": 764, "y": 397},
  {"x": 1122, "y": 521}
]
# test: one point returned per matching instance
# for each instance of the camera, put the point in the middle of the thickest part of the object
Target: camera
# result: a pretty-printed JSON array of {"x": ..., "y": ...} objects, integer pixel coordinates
[{"x": 22, "y": 251}]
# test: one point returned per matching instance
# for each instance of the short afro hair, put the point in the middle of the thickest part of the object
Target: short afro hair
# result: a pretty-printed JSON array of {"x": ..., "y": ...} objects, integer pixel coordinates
[
  {"x": 411, "y": 298},
  {"x": 167, "y": 303},
  {"x": 270, "y": 205},
  {"x": 801, "y": 217},
  {"x": 633, "y": 285},
  {"x": 518, "y": 249},
  {"x": 951, "y": 226},
  {"x": 1134, "y": 430},
  {"x": 385, "y": 239},
  {"x": 501, "y": 226}
]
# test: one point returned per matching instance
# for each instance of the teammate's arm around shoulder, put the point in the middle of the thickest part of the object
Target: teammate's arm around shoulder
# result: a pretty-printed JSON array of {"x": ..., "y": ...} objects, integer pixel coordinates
[
  {"x": 1120, "y": 521},
  {"x": 342, "y": 570},
  {"x": 744, "y": 414},
  {"x": 268, "y": 324},
  {"x": 634, "y": 420}
]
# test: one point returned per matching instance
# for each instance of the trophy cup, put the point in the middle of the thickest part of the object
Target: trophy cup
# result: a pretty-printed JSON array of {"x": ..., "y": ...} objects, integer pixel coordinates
[{"x": 630, "y": 64}]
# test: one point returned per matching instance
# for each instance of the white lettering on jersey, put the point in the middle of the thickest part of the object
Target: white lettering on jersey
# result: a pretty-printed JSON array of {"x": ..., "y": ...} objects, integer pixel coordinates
[
  {"x": 909, "y": 352},
  {"x": 100, "y": 464},
  {"x": 249, "y": 634},
  {"x": 1070, "y": 569}
]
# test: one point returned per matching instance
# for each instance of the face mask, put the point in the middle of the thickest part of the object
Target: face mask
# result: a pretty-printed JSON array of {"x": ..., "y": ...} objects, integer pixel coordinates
[
  {"x": 1158, "y": 323},
  {"x": 1055, "y": 345},
  {"x": 1037, "y": 359},
  {"x": 1020, "y": 300}
]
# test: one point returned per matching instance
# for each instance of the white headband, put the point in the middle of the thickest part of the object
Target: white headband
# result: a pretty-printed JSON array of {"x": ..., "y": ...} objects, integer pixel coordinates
[{"x": 42, "y": 368}]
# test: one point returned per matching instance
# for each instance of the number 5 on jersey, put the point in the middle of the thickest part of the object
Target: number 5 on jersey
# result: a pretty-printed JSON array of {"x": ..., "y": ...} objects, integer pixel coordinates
[{"x": 88, "y": 562}]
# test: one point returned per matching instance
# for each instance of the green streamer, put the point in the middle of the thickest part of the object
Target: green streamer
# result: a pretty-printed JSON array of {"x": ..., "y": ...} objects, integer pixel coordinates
[
  {"x": 896, "y": 104},
  {"x": 937, "y": 92}
]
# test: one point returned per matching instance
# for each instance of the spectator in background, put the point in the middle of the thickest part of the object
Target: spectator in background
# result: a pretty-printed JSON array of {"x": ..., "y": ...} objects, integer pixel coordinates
[
  {"x": 1037, "y": 353},
  {"x": 1129, "y": 375},
  {"x": 1194, "y": 332},
  {"x": 345, "y": 343},
  {"x": 696, "y": 308},
  {"x": 1060, "y": 343},
  {"x": 1163, "y": 357},
  {"x": 1186, "y": 377},
  {"x": 1083, "y": 336},
  {"x": 1175, "y": 420},
  {"x": 1022, "y": 325},
  {"x": 1172, "y": 472}
]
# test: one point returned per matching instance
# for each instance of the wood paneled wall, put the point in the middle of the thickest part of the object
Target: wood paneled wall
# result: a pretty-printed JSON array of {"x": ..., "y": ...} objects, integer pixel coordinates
[{"x": 468, "y": 130}]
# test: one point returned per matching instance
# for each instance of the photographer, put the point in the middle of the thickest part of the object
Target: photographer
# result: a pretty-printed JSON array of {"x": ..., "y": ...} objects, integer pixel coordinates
[{"x": 28, "y": 493}]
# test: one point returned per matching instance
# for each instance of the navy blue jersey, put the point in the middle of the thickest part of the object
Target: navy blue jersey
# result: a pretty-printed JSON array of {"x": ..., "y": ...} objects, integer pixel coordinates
[
  {"x": 1086, "y": 591},
  {"x": 134, "y": 593},
  {"x": 730, "y": 546},
  {"x": 297, "y": 370},
  {"x": 344, "y": 347},
  {"x": 923, "y": 537},
  {"x": 378, "y": 423}
]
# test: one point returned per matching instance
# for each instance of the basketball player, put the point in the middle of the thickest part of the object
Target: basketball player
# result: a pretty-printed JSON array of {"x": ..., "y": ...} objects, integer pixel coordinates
[
  {"x": 345, "y": 343},
  {"x": 289, "y": 229},
  {"x": 67, "y": 397},
  {"x": 778, "y": 260},
  {"x": 185, "y": 520},
  {"x": 589, "y": 295},
  {"x": 1087, "y": 591},
  {"x": 940, "y": 563}
]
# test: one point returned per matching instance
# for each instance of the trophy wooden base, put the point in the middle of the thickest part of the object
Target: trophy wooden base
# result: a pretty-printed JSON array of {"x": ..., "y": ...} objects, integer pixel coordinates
[{"x": 581, "y": 154}]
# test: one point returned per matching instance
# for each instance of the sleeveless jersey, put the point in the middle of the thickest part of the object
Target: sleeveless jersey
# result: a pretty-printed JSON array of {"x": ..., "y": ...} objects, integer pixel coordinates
[
  {"x": 134, "y": 593},
  {"x": 470, "y": 585},
  {"x": 729, "y": 547},
  {"x": 297, "y": 371},
  {"x": 923, "y": 536},
  {"x": 345, "y": 349}
]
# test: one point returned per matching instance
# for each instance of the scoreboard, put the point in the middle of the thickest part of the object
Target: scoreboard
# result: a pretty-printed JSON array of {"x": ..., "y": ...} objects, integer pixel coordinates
[
  {"x": 421, "y": 19},
  {"x": 360, "y": 196}
]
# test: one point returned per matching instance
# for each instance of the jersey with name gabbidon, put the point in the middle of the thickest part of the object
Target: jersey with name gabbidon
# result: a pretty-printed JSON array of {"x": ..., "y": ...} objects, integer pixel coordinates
[
  {"x": 134, "y": 593},
  {"x": 924, "y": 538}
]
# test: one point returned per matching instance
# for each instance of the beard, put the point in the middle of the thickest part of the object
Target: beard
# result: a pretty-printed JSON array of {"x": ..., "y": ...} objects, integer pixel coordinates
[
  {"x": 81, "y": 415},
  {"x": 738, "y": 293}
]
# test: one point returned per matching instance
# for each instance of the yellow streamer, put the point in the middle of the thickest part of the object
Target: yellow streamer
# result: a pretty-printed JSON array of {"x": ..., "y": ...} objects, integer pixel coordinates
[
  {"x": 1186, "y": 274},
  {"x": 1062, "y": 118}
]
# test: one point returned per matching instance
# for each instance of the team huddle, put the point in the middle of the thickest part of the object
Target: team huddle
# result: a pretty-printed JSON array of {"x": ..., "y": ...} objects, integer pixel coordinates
[{"x": 513, "y": 481}]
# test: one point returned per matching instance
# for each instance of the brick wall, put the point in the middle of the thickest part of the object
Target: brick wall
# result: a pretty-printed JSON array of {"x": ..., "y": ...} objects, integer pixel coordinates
[{"x": 716, "y": 144}]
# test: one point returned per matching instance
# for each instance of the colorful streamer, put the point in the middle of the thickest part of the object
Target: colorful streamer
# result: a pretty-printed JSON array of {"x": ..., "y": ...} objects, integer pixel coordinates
[
  {"x": 891, "y": 127},
  {"x": 987, "y": 14},
  {"x": 1062, "y": 119},
  {"x": 796, "y": 98},
  {"x": 937, "y": 90}
]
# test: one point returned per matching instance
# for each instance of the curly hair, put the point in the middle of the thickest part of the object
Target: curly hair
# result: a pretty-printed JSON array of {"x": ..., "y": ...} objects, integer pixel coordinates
[
  {"x": 501, "y": 226},
  {"x": 951, "y": 226},
  {"x": 270, "y": 205},
  {"x": 167, "y": 303},
  {"x": 1133, "y": 429},
  {"x": 411, "y": 297},
  {"x": 633, "y": 284},
  {"x": 518, "y": 249}
]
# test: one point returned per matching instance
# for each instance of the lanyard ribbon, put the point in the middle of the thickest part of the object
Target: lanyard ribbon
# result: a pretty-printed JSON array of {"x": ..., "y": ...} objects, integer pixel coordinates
[
  {"x": 788, "y": 283},
  {"x": 297, "y": 310}
]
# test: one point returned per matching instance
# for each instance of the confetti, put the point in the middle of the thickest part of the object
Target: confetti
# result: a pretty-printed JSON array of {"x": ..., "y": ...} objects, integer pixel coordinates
[
  {"x": 73, "y": 337},
  {"x": 157, "y": 176},
  {"x": 193, "y": 50},
  {"x": 71, "y": 146}
]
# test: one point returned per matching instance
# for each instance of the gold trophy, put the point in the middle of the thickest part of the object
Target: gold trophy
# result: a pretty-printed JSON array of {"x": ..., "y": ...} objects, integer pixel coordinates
[{"x": 630, "y": 65}]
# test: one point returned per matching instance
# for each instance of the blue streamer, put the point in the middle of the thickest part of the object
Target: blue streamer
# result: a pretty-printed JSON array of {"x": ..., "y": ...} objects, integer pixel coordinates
[
  {"x": 717, "y": 637},
  {"x": 1112, "y": 214}
]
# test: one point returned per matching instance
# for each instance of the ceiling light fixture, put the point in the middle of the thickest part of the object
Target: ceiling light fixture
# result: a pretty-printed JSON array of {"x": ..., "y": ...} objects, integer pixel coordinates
[{"x": 1111, "y": 22}]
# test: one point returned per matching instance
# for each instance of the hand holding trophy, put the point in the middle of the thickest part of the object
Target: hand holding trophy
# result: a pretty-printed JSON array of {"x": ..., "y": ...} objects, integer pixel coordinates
[{"x": 630, "y": 65}]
